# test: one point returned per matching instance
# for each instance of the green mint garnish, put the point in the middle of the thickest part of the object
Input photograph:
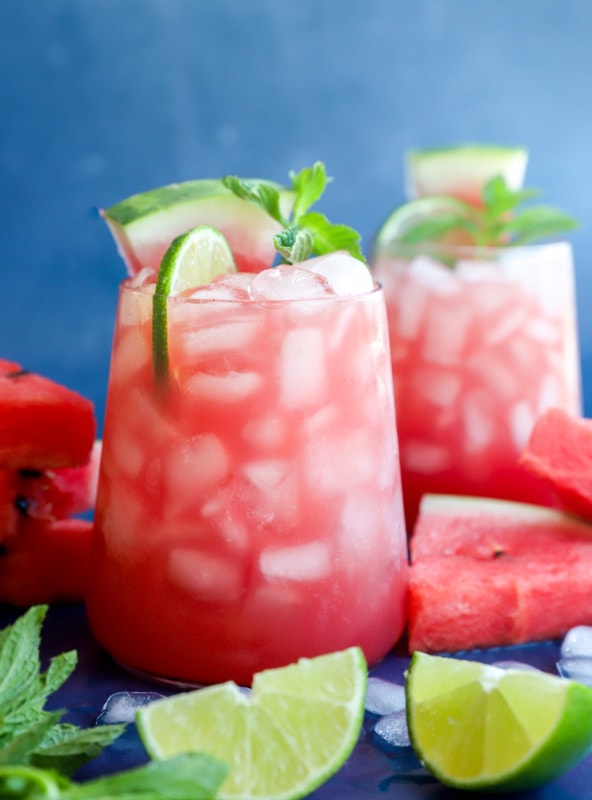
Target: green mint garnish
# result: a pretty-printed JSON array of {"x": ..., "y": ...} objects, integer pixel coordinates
[
  {"x": 38, "y": 754},
  {"x": 499, "y": 223},
  {"x": 305, "y": 233}
]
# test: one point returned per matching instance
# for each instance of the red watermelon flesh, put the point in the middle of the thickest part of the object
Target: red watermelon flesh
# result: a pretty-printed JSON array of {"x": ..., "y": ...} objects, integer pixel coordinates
[
  {"x": 45, "y": 562},
  {"x": 486, "y": 573},
  {"x": 559, "y": 453},
  {"x": 58, "y": 493},
  {"x": 43, "y": 424}
]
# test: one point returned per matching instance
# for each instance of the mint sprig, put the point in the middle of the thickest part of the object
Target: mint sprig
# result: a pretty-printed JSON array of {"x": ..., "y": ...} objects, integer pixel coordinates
[
  {"x": 305, "y": 232},
  {"x": 500, "y": 222},
  {"x": 39, "y": 754}
]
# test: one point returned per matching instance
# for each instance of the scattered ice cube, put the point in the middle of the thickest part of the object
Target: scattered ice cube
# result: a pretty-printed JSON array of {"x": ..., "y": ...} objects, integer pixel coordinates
[
  {"x": 289, "y": 283},
  {"x": 346, "y": 275},
  {"x": 511, "y": 664},
  {"x": 577, "y": 642},
  {"x": 576, "y": 668},
  {"x": 384, "y": 697},
  {"x": 122, "y": 706},
  {"x": 392, "y": 729}
]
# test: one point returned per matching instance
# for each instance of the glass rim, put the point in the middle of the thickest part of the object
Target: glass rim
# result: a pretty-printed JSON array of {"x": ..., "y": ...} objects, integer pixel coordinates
[
  {"x": 145, "y": 290},
  {"x": 483, "y": 252}
]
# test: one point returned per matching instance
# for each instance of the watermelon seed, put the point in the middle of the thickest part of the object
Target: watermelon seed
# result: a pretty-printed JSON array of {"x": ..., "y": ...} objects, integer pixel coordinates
[{"x": 22, "y": 505}]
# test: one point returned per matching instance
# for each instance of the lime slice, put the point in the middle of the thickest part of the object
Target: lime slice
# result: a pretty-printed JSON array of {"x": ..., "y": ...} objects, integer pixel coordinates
[
  {"x": 290, "y": 734},
  {"x": 448, "y": 218},
  {"x": 481, "y": 727},
  {"x": 193, "y": 259}
]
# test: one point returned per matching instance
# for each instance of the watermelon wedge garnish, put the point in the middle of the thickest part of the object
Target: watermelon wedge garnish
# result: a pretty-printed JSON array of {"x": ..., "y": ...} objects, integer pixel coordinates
[
  {"x": 462, "y": 171},
  {"x": 42, "y": 423},
  {"x": 145, "y": 224}
]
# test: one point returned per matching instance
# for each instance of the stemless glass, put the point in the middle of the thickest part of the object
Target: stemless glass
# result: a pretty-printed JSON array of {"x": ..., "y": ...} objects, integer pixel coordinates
[
  {"x": 251, "y": 514},
  {"x": 483, "y": 340}
]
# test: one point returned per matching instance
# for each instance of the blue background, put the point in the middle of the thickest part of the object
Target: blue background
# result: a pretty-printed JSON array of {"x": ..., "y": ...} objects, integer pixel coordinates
[{"x": 100, "y": 99}]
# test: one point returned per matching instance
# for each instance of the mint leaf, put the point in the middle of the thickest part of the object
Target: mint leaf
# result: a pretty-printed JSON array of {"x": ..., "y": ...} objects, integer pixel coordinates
[
  {"x": 257, "y": 192},
  {"x": 433, "y": 229},
  {"x": 538, "y": 222},
  {"x": 328, "y": 237},
  {"x": 309, "y": 184},
  {"x": 305, "y": 233},
  {"x": 192, "y": 776}
]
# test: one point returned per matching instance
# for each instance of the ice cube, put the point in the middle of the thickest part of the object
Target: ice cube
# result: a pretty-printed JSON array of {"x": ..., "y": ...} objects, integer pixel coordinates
[
  {"x": 231, "y": 387},
  {"x": 346, "y": 275},
  {"x": 265, "y": 432},
  {"x": 511, "y": 664},
  {"x": 446, "y": 333},
  {"x": 577, "y": 642},
  {"x": 438, "y": 386},
  {"x": 302, "y": 369},
  {"x": 289, "y": 283},
  {"x": 384, "y": 697},
  {"x": 122, "y": 706},
  {"x": 477, "y": 421},
  {"x": 576, "y": 668},
  {"x": 303, "y": 562},
  {"x": 235, "y": 286},
  {"x": 233, "y": 334},
  {"x": 425, "y": 458},
  {"x": 193, "y": 467},
  {"x": 392, "y": 730},
  {"x": 407, "y": 309},
  {"x": 436, "y": 277},
  {"x": 209, "y": 577},
  {"x": 521, "y": 421},
  {"x": 266, "y": 474}
]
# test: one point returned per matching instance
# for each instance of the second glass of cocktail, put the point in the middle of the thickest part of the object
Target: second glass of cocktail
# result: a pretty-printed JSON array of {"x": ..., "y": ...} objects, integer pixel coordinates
[{"x": 250, "y": 509}]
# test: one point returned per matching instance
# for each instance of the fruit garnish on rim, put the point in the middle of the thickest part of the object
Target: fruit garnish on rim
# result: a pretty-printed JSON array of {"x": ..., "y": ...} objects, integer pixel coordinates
[
  {"x": 193, "y": 259},
  {"x": 201, "y": 254},
  {"x": 477, "y": 726},
  {"x": 292, "y": 732},
  {"x": 483, "y": 211}
]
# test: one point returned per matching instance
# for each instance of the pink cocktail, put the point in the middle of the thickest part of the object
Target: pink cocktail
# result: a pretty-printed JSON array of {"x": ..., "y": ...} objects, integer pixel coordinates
[
  {"x": 482, "y": 341},
  {"x": 251, "y": 513}
]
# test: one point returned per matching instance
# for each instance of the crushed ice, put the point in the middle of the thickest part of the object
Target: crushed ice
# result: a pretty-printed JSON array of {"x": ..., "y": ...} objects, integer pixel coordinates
[{"x": 575, "y": 661}]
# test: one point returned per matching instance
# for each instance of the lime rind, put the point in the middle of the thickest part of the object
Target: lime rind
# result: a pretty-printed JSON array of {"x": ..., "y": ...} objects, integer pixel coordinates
[
  {"x": 295, "y": 729},
  {"x": 402, "y": 219},
  {"x": 499, "y": 730},
  {"x": 193, "y": 259}
]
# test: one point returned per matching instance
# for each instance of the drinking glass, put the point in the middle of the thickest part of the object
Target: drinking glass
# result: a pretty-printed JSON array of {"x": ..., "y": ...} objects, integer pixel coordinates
[
  {"x": 483, "y": 340},
  {"x": 251, "y": 512}
]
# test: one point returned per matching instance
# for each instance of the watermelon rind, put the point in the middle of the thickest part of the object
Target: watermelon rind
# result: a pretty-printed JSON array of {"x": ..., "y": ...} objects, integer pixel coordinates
[
  {"x": 462, "y": 170},
  {"x": 143, "y": 225}
]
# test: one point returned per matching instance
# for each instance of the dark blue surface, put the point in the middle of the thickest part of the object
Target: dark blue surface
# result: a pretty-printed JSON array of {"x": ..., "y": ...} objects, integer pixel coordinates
[
  {"x": 369, "y": 773},
  {"x": 103, "y": 98}
]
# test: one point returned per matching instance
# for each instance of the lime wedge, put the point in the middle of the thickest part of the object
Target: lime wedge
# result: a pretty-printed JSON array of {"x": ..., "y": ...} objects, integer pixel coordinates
[
  {"x": 438, "y": 212},
  {"x": 193, "y": 259},
  {"x": 292, "y": 732},
  {"x": 481, "y": 727}
]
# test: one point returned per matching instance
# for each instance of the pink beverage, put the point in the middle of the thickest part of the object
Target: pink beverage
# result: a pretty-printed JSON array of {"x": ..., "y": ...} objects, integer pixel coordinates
[
  {"x": 252, "y": 513},
  {"x": 482, "y": 342}
]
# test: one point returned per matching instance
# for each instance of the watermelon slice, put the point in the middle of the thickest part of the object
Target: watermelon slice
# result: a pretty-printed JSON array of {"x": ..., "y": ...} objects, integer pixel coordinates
[
  {"x": 487, "y": 572},
  {"x": 57, "y": 493},
  {"x": 462, "y": 171},
  {"x": 43, "y": 424},
  {"x": 144, "y": 225},
  {"x": 559, "y": 452},
  {"x": 45, "y": 562}
]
